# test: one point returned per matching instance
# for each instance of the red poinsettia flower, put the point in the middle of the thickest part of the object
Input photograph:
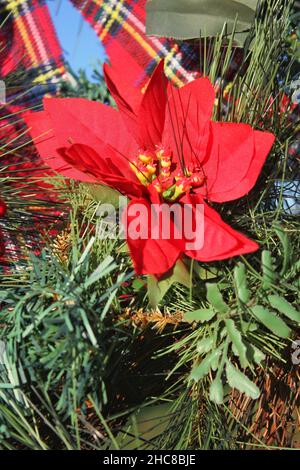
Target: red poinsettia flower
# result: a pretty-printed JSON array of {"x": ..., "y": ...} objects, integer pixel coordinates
[{"x": 158, "y": 147}]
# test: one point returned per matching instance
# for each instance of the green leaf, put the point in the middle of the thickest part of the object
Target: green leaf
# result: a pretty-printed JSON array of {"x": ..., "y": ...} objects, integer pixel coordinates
[
  {"x": 187, "y": 19},
  {"x": 104, "y": 268},
  {"x": 201, "y": 315},
  {"x": 236, "y": 339},
  {"x": 138, "y": 284},
  {"x": 215, "y": 297},
  {"x": 257, "y": 354},
  {"x": 284, "y": 307},
  {"x": 105, "y": 194},
  {"x": 282, "y": 235},
  {"x": 215, "y": 363},
  {"x": 216, "y": 391},
  {"x": 198, "y": 372},
  {"x": 88, "y": 328},
  {"x": 271, "y": 321},
  {"x": 204, "y": 273},
  {"x": 157, "y": 288},
  {"x": 241, "y": 282},
  {"x": 205, "y": 345},
  {"x": 269, "y": 274},
  {"x": 148, "y": 423},
  {"x": 240, "y": 381}
]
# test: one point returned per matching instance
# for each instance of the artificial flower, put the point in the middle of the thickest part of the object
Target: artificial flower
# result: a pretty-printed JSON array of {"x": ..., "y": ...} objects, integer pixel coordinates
[{"x": 160, "y": 146}]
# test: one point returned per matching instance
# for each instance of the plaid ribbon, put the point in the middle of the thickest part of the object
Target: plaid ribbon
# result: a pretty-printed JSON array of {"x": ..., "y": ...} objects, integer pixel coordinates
[
  {"x": 31, "y": 44},
  {"x": 31, "y": 62},
  {"x": 120, "y": 25}
]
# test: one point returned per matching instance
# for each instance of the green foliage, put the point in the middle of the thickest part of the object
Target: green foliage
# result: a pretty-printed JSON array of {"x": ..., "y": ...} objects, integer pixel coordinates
[
  {"x": 235, "y": 331},
  {"x": 189, "y": 19},
  {"x": 31, "y": 422},
  {"x": 241, "y": 285},
  {"x": 240, "y": 381},
  {"x": 157, "y": 288},
  {"x": 251, "y": 306},
  {"x": 79, "y": 85},
  {"x": 105, "y": 194},
  {"x": 58, "y": 331},
  {"x": 201, "y": 315}
]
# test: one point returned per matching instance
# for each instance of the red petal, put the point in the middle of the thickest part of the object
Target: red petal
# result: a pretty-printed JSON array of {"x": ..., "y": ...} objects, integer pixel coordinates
[
  {"x": 151, "y": 256},
  {"x": 41, "y": 131},
  {"x": 234, "y": 159},
  {"x": 188, "y": 115},
  {"x": 151, "y": 115},
  {"x": 220, "y": 240},
  {"x": 198, "y": 98},
  {"x": 77, "y": 120},
  {"x": 127, "y": 97},
  {"x": 83, "y": 122},
  {"x": 144, "y": 115},
  {"x": 103, "y": 170},
  {"x": 122, "y": 89}
]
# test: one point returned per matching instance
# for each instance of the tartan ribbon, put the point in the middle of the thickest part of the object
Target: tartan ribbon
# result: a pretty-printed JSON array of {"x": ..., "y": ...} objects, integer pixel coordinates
[
  {"x": 120, "y": 25},
  {"x": 31, "y": 62},
  {"x": 31, "y": 43}
]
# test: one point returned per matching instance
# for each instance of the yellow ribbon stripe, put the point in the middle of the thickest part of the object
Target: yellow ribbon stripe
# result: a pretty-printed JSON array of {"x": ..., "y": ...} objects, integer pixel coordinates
[
  {"x": 14, "y": 4},
  {"x": 137, "y": 37},
  {"x": 22, "y": 28},
  {"x": 46, "y": 76}
]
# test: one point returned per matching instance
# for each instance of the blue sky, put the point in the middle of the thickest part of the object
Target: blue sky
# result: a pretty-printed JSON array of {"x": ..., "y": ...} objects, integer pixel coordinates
[{"x": 81, "y": 46}]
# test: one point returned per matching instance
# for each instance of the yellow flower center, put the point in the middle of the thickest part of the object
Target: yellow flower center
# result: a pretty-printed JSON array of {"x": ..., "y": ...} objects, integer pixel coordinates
[{"x": 157, "y": 169}]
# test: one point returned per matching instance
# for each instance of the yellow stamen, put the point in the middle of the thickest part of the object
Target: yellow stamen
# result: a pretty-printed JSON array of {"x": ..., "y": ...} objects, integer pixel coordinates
[
  {"x": 161, "y": 152},
  {"x": 151, "y": 169},
  {"x": 141, "y": 175},
  {"x": 158, "y": 187},
  {"x": 165, "y": 172},
  {"x": 158, "y": 170},
  {"x": 145, "y": 158},
  {"x": 165, "y": 163},
  {"x": 142, "y": 178}
]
